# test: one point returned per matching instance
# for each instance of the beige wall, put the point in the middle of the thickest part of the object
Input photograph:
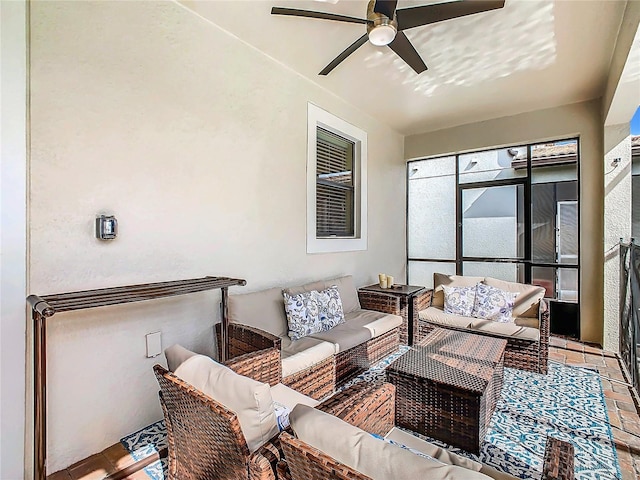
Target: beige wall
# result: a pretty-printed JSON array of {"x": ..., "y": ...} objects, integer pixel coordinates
[
  {"x": 583, "y": 119},
  {"x": 197, "y": 143},
  {"x": 617, "y": 224}
]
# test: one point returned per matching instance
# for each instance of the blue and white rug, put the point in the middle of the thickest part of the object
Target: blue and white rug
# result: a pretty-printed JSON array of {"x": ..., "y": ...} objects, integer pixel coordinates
[{"x": 567, "y": 403}]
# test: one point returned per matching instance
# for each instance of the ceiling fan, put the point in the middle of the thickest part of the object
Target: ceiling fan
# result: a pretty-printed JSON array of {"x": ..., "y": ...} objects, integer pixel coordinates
[{"x": 386, "y": 24}]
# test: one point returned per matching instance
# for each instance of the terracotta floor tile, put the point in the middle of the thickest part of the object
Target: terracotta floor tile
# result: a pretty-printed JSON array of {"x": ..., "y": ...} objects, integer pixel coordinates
[
  {"x": 61, "y": 475},
  {"x": 139, "y": 475},
  {"x": 96, "y": 467},
  {"x": 118, "y": 456}
]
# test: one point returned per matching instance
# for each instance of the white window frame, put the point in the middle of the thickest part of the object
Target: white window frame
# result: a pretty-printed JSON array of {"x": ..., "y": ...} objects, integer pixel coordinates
[{"x": 317, "y": 117}]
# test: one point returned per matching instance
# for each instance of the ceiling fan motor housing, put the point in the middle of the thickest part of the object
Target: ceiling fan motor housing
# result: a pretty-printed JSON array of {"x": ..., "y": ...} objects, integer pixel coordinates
[{"x": 384, "y": 28}]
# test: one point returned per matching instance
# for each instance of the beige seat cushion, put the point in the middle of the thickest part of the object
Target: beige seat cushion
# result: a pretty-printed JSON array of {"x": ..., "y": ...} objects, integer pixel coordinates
[
  {"x": 371, "y": 456},
  {"x": 348, "y": 293},
  {"x": 290, "y": 398},
  {"x": 344, "y": 336},
  {"x": 303, "y": 353},
  {"x": 440, "y": 279},
  {"x": 263, "y": 310},
  {"x": 377, "y": 323},
  {"x": 175, "y": 355},
  {"x": 437, "y": 315},
  {"x": 443, "y": 455},
  {"x": 249, "y": 399},
  {"x": 528, "y": 299},
  {"x": 505, "y": 329}
]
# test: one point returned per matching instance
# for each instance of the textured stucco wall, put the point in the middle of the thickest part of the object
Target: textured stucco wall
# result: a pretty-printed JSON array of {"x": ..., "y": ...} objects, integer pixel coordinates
[
  {"x": 197, "y": 143},
  {"x": 581, "y": 119},
  {"x": 617, "y": 223}
]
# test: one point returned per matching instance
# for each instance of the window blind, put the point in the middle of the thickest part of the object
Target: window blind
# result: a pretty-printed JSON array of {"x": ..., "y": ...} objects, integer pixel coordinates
[{"x": 334, "y": 185}]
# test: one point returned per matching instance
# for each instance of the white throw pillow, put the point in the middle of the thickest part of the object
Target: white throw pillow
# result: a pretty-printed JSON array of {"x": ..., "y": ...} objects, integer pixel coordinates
[
  {"x": 459, "y": 300},
  {"x": 313, "y": 312},
  {"x": 249, "y": 399},
  {"x": 494, "y": 304}
]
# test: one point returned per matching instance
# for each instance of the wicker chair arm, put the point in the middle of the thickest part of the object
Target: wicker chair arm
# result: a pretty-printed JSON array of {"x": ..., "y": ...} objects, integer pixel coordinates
[
  {"x": 263, "y": 365},
  {"x": 558, "y": 460},
  {"x": 423, "y": 299},
  {"x": 245, "y": 339},
  {"x": 370, "y": 407},
  {"x": 262, "y": 463},
  {"x": 379, "y": 302}
]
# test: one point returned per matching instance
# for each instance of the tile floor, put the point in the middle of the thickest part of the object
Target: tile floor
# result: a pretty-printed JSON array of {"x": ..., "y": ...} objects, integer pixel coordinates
[{"x": 623, "y": 415}]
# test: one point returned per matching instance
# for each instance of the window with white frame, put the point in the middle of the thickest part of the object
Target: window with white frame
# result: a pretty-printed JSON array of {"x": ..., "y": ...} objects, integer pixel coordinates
[{"x": 336, "y": 184}]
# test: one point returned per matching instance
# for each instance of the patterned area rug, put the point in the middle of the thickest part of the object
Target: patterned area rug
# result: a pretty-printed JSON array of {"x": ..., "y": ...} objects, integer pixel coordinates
[{"x": 567, "y": 403}]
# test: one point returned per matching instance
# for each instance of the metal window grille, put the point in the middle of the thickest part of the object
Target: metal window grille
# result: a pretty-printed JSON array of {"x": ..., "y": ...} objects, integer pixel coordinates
[{"x": 334, "y": 185}]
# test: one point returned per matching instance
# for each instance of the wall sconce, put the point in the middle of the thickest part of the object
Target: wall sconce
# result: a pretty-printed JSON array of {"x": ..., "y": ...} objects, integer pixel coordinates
[{"x": 106, "y": 227}]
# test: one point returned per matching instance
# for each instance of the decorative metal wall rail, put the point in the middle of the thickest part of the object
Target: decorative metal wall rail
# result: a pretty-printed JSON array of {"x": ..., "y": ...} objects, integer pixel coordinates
[
  {"x": 46, "y": 306},
  {"x": 630, "y": 310}
]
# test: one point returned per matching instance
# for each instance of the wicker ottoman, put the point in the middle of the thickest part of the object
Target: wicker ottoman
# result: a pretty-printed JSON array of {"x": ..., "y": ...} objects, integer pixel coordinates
[{"x": 447, "y": 386}]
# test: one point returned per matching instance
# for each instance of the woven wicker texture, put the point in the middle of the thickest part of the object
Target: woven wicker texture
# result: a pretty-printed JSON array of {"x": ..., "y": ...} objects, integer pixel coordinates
[
  {"x": 522, "y": 354},
  {"x": 370, "y": 407},
  {"x": 205, "y": 439},
  {"x": 448, "y": 386},
  {"x": 317, "y": 381}
]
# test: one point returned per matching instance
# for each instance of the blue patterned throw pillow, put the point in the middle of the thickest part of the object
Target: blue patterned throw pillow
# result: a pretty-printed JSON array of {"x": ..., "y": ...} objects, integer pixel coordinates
[
  {"x": 313, "y": 312},
  {"x": 459, "y": 300},
  {"x": 494, "y": 304}
]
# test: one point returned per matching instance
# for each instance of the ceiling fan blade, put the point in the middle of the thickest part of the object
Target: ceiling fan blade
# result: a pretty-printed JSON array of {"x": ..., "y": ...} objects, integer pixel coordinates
[
  {"x": 348, "y": 51},
  {"x": 402, "y": 46},
  {"x": 294, "y": 12},
  {"x": 427, "y": 14},
  {"x": 385, "y": 7}
]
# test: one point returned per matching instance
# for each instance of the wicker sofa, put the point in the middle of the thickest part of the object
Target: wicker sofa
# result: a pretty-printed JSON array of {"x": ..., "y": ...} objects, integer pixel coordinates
[
  {"x": 334, "y": 441},
  {"x": 527, "y": 337},
  {"x": 315, "y": 364}
]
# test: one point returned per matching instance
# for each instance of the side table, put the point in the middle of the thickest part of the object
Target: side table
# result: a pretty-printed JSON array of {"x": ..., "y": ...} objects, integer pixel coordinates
[{"x": 411, "y": 298}]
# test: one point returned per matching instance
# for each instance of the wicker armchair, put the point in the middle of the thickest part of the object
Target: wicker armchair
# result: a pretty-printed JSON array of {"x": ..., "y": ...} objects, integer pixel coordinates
[
  {"x": 205, "y": 439},
  {"x": 304, "y": 462}
]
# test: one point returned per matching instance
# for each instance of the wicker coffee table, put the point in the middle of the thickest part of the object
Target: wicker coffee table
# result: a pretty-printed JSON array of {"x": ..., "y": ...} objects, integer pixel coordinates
[{"x": 447, "y": 386}]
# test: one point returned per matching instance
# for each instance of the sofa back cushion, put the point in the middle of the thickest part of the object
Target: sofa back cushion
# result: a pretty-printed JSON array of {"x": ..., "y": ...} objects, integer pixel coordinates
[
  {"x": 263, "y": 310},
  {"x": 527, "y": 300},
  {"x": 176, "y": 355},
  {"x": 348, "y": 293},
  {"x": 249, "y": 399},
  {"x": 361, "y": 451},
  {"x": 440, "y": 279}
]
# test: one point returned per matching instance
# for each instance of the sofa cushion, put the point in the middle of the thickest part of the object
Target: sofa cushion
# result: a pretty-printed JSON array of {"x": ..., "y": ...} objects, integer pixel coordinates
[
  {"x": 528, "y": 299},
  {"x": 505, "y": 329},
  {"x": 359, "y": 450},
  {"x": 531, "y": 322},
  {"x": 345, "y": 336},
  {"x": 378, "y": 323},
  {"x": 313, "y": 312},
  {"x": 459, "y": 300},
  {"x": 285, "y": 399},
  {"x": 494, "y": 304},
  {"x": 175, "y": 355},
  {"x": 263, "y": 309},
  {"x": 437, "y": 315},
  {"x": 441, "y": 454},
  {"x": 303, "y": 354},
  {"x": 440, "y": 279},
  {"x": 348, "y": 293},
  {"x": 249, "y": 399}
]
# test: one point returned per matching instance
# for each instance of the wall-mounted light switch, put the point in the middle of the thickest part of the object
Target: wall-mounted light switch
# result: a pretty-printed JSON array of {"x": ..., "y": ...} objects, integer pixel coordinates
[{"x": 154, "y": 344}]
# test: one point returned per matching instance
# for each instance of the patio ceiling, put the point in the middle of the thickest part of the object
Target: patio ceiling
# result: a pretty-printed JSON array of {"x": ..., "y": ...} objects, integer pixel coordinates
[{"x": 529, "y": 55}]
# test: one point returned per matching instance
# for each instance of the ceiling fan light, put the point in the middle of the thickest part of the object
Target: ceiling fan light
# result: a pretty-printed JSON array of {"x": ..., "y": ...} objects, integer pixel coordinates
[{"x": 382, "y": 35}]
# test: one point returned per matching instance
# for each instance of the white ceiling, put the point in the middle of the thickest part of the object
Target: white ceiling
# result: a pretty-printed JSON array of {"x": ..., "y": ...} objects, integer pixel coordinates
[{"x": 529, "y": 55}]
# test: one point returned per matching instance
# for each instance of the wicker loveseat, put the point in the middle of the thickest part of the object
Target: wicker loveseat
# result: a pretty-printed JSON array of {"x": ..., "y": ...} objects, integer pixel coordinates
[
  {"x": 315, "y": 364},
  {"x": 527, "y": 336},
  {"x": 335, "y": 442}
]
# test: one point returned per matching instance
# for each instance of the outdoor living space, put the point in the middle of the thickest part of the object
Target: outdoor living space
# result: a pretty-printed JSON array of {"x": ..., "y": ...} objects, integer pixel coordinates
[
  {"x": 117, "y": 462},
  {"x": 417, "y": 218}
]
